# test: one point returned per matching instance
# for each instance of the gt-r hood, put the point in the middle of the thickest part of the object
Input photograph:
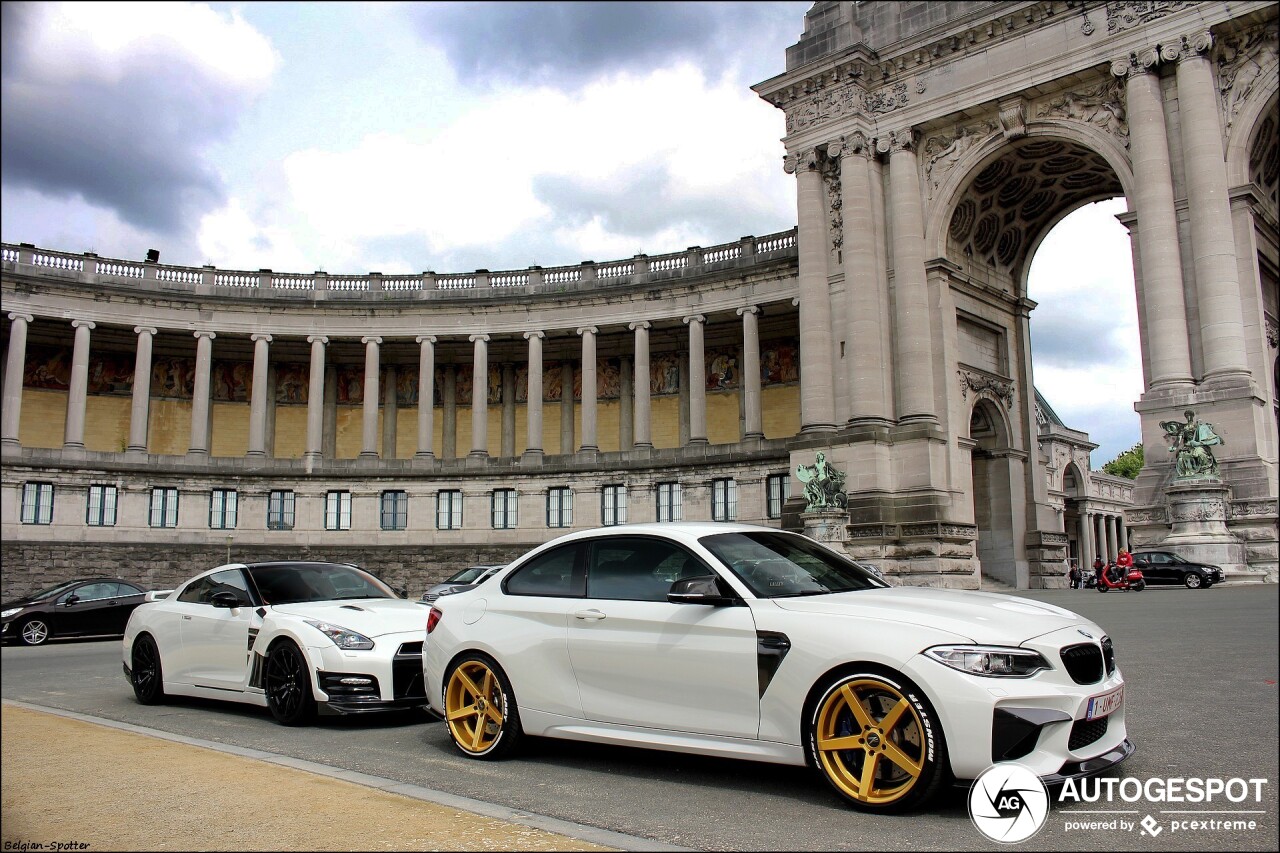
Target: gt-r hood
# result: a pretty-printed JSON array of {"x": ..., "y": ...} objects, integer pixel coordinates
[
  {"x": 982, "y": 617},
  {"x": 372, "y": 617}
]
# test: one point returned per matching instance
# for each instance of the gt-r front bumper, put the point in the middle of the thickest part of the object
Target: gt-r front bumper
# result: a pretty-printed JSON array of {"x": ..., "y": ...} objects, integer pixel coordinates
[{"x": 384, "y": 678}]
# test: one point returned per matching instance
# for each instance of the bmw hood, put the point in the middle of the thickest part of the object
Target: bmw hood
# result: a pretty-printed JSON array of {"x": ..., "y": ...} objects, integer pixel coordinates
[
  {"x": 983, "y": 617},
  {"x": 372, "y": 617}
]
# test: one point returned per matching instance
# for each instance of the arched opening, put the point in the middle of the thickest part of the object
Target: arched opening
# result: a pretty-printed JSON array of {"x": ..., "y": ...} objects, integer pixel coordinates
[
  {"x": 994, "y": 477},
  {"x": 1075, "y": 492}
]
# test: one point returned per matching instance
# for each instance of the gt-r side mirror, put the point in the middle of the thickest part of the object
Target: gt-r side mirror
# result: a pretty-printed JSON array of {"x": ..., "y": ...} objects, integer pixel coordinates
[
  {"x": 699, "y": 590},
  {"x": 225, "y": 599}
]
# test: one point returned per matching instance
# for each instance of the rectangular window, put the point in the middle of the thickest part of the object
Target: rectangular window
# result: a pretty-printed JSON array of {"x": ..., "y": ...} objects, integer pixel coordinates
[
  {"x": 337, "y": 511},
  {"x": 280, "y": 510},
  {"x": 395, "y": 510},
  {"x": 778, "y": 490},
  {"x": 164, "y": 507},
  {"x": 613, "y": 505},
  {"x": 222, "y": 509},
  {"x": 559, "y": 507},
  {"x": 503, "y": 506},
  {"x": 37, "y": 503},
  {"x": 669, "y": 502},
  {"x": 102, "y": 506},
  {"x": 724, "y": 500},
  {"x": 449, "y": 510}
]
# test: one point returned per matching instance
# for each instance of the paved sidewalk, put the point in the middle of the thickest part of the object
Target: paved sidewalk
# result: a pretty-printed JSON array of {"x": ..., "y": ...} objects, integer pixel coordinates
[{"x": 90, "y": 786}]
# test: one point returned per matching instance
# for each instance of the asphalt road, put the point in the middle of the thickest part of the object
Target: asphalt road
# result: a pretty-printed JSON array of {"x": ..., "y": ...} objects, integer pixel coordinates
[{"x": 1201, "y": 670}]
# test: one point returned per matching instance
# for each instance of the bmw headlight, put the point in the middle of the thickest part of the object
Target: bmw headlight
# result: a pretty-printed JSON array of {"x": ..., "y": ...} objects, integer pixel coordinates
[
  {"x": 994, "y": 661},
  {"x": 13, "y": 611},
  {"x": 343, "y": 638}
]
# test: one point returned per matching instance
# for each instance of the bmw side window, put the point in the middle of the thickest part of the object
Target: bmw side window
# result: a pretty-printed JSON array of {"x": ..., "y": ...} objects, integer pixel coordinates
[
  {"x": 634, "y": 569},
  {"x": 551, "y": 574}
]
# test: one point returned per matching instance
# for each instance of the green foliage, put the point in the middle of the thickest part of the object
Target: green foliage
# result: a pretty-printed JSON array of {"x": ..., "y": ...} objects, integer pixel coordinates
[{"x": 1127, "y": 464}]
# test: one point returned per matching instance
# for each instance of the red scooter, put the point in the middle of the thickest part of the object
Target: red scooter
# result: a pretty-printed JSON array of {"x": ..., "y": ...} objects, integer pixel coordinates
[{"x": 1114, "y": 577}]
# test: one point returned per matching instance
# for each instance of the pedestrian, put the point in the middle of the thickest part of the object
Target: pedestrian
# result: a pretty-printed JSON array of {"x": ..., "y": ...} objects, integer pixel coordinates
[
  {"x": 1098, "y": 568},
  {"x": 1073, "y": 575}
]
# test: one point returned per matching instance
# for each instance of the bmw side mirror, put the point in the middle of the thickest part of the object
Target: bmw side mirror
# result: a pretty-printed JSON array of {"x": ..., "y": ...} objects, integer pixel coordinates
[
  {"x": 225, "y": 599},
  {"x": 699, "y": 590}
]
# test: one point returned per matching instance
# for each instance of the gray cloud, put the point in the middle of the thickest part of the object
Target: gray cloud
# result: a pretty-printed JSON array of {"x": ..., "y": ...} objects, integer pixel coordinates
[
  {"x": 133, "y": 145},
  {"x": 1068, "y": 337},
  {"x": 565, "y": 43}
]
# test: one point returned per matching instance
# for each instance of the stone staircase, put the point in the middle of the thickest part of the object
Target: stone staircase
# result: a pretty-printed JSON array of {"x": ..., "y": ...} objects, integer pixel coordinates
[{"x": 990, "y": 584}]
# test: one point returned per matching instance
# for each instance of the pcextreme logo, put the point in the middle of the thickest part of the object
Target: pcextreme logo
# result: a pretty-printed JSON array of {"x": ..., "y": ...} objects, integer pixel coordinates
[{"x": 1008, "y": 803}]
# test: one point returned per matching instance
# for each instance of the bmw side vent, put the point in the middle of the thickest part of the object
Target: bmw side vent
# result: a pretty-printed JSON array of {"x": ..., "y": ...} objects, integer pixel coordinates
[
  {"x": 771, "y": 649},
  {"x": 1108, "y": 655},
  {"x": 1083, "y": 662}
]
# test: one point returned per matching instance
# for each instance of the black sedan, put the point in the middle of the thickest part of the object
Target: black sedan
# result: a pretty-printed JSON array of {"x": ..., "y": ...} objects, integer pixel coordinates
[
  {"x": 1166, "y": 567},
  {"x": 79, "y": 608}
]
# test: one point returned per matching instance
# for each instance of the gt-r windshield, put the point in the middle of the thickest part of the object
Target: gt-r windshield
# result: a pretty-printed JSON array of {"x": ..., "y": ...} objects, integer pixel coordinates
[
  {"x": 292, "y": 584},
  {"x": 783, "y": 565}
]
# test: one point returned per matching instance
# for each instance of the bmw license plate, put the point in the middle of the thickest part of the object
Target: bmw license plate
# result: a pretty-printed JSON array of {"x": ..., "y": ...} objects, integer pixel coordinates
[{"x": 1109, "y": 702}]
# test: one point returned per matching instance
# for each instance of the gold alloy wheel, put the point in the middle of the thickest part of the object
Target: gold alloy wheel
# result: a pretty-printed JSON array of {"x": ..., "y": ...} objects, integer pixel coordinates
[
  {"x": 474, "y": 707},
  {"x": 870, "y": 741}
]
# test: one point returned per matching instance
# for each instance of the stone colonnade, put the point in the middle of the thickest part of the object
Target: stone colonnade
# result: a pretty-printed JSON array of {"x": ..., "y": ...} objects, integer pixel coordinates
[{"x": 1101, "y": 534}]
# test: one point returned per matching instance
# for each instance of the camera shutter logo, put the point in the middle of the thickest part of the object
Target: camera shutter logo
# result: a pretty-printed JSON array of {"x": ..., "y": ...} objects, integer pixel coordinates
[{"x": 1008, "y": 803}]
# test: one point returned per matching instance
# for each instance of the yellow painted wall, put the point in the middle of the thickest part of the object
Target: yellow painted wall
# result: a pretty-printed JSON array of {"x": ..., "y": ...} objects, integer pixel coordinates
[
  {"x": 170, "y": 431},
  {"x": 780, "y": 411},
  {"x": 230, "y": 434},
  {"x": 291, "y": 432},
  {"x": 44, "y": 418},
  {"x": 106, "y": 423},
  {"x": 722, "y": 418}
]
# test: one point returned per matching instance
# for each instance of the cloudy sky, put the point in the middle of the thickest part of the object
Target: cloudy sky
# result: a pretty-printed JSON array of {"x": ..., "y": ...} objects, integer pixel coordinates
[{"x": 452, "y": 137}]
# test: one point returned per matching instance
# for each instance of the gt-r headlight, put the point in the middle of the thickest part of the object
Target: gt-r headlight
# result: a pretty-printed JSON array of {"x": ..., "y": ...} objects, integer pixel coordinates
[
  {"x": 993, "y": 661},
  {"x": 13, "y": 611},
  {"x": 343, "y": 638}
]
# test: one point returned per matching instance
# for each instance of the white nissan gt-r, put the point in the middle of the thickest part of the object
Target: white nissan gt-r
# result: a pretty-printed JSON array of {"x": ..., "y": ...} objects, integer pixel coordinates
[
  {"x": 295, "y": 637},
  {"x": 748, "y": 642}
]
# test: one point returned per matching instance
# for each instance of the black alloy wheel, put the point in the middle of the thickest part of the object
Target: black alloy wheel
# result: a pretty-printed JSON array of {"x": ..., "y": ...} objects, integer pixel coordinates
[
  {"x": 288, "y": 685},
  {"x": 145, "y": 673}
]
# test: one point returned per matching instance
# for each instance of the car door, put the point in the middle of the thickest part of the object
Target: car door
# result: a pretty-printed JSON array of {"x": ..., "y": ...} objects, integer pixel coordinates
[
  {"x": 1159, "y": 568},
  {"x": 215, "y": 640},
  {"x": 85, "y": 610},
  {"x": 123, "y": 602},
  {"x": 640, "y": 660}
]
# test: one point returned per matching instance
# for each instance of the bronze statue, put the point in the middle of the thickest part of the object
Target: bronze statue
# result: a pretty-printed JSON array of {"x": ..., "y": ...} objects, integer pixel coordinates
[
  {"x": 823, "y": 485},
  {"x": 1190, "y": 444}
]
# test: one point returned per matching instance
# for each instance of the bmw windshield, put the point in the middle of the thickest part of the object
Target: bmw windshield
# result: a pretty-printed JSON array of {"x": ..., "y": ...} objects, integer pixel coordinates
[{"x": 783, "y": 565}]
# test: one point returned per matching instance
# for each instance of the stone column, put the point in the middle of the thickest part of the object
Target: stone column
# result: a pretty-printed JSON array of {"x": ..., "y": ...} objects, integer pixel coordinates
[
  {"x": 508, "y": 410},
  {"x": 1100, "y": 534},
  {"x": 390, "y": 411},
  {"x": 682, "y": 398},
  {"x": 78, "y": 388},
  {"x": 589, "y": 438},
  {"x": 1163, "y": 300},
  {"x": 426, "y": 394},
  {"x": 1212, "y": 240},
  {"x": 1112, "y": 539},
  {"x": 14, "y": 369},
  {"x": 533, "y": 396},
  {"x": 869, "y": 380},
  {"x": 449, "y": 437},
  {"x": 1086, "y": 549},
  {"x": 566, "y": 407},
  {"x": 140, "y": 411},
  {"x": 479, "y": 396},
  {"x": 752, "y": 425},
  {"x": 369, "y": 424},
  {"x": 315, "y": 398},
  {"x": 641, "y": 412},
  {"x": 329, "y": 444},
  {"x": 200, "y": 394},
  {"x": 1124, "y": 533},
  {"x": 697, "y": 379},
  {"x": 817, "y": 397},
  {"x": 258, "y": 396},
  {"x": 626, "y": 404},
  {"x": 911, "y": 327}
]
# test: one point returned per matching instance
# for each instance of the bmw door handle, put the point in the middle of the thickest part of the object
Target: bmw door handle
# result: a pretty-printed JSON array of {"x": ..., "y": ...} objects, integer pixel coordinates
[
  {"x": 188, "y": 618},
  {"x": 592, "y": 615}
]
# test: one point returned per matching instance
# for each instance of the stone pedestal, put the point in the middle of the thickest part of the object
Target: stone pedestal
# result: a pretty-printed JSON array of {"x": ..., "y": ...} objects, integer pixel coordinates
[
  {"x": 829, "y": 526},
  {"x": 1198, "y": 511}
]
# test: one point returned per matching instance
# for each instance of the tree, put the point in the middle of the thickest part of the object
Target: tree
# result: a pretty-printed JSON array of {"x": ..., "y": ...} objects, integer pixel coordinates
[{"x": 1127, "y": 464}]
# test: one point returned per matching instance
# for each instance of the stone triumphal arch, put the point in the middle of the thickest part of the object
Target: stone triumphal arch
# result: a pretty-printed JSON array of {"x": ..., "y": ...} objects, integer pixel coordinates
[{"x": 160, "y": 417}]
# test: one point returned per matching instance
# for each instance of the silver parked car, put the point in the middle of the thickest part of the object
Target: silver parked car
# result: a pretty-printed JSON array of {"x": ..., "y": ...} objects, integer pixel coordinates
[{"x": 468, "y": 578}]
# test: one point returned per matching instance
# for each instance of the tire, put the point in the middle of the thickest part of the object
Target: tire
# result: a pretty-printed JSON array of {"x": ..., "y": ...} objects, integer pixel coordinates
[
  {"x": 288, "y": 685},
  {"x": 145, "y": 672},
  {"x": 1139, "y": 586},
  {"x": 33, "y": 632},
  {"x": 907, "y": 754},
  {"x": 1191, "y": 580},
  {"x": 1102, "y": 587},
  {"x": 480, "y": 708}
]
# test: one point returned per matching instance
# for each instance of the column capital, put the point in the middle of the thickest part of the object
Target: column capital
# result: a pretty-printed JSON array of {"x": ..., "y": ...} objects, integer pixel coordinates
[
  {"x": 748, "y": 309},
  {"x": 204, "y": 334},
  {"x": 531, "y": 335},
  {"x": 695, "y": 318},
  {"x": 639, "y": 324},
  {"x": 83, "y": 324},
  {"x": 425, "y": 339},
  {"x": 371, "y": 339},
  {"x": 805, "y": 160},
  {"x": 848, "y": 145},
  {"x": 897, "y": 141},
  {"x": 474, "y": 338},
  {"x": 1187, "y": 47},
  {"x": 18, "y": 315},
  {"x": 260, "y": 336},
  {"x": 317, "y": 339},
  {"x": 140, "y": 330},
  {"x": 587, "y": 330}
]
